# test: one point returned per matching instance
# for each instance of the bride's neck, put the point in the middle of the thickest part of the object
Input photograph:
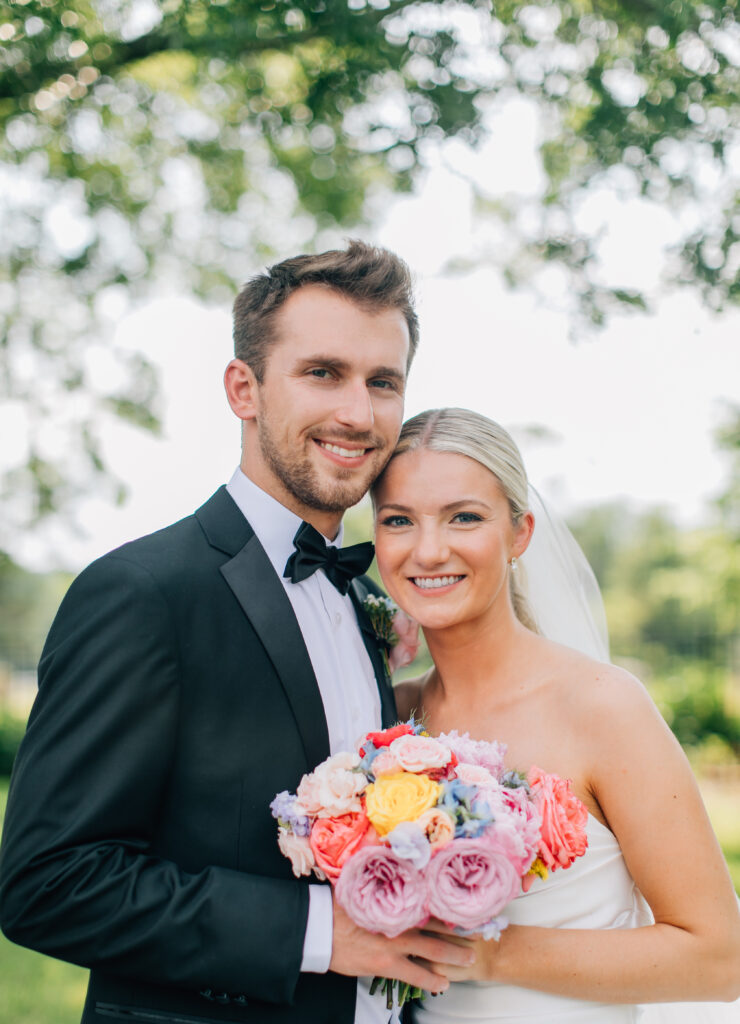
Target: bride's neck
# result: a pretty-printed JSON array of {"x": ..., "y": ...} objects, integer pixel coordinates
[{"x": 474, "y": 655}]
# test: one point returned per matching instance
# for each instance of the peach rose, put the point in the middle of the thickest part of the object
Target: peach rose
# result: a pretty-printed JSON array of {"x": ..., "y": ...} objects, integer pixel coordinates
[
  {"x": 437, "y": 826},
  {"x": 563, "y": 830},
  {"x": 298, "y": 851},
  {"x": 333, "y": 788},
  {"x": 334, "y": 840}
]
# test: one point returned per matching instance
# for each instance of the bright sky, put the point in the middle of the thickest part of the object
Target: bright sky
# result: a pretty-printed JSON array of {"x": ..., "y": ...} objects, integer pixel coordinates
[{"x": 630, "y": 410}]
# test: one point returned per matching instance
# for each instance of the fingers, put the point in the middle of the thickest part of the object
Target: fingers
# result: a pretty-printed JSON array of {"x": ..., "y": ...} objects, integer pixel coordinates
[
  {"x": 419, "y": 975},
  {"x": 448, "y": 951}
]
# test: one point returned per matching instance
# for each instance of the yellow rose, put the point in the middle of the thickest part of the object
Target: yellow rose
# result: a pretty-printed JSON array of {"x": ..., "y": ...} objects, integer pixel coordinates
[{"x": 402, "y": 796}]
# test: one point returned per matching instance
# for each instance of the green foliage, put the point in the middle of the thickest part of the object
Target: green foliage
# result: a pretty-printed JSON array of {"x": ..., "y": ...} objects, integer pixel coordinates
[
  {"x": 28, "y": 602},
  {"x": 11, "y": 734},
  {"x": 204, "y": 142},
  {"x": 672, "y": 598}
]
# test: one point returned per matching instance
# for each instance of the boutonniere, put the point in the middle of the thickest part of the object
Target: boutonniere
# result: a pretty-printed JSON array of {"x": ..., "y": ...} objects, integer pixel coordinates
[{"x": 396, "y": 632}]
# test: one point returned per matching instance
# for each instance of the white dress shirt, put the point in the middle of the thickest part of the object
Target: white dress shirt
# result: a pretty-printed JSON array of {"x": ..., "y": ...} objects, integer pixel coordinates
[{"x": 346, "y": 681}]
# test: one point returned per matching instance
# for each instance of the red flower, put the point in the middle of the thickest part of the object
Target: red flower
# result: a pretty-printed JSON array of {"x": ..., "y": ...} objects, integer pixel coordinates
[{"x": 386, "y": 737}]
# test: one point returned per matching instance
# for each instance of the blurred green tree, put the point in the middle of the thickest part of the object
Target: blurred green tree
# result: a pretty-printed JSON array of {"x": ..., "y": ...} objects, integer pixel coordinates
[{"x": 189, "y": 141}]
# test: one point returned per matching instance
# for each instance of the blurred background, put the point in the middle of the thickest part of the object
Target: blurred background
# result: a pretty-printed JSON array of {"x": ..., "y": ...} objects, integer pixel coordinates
[{"x": 562, "y": 178}]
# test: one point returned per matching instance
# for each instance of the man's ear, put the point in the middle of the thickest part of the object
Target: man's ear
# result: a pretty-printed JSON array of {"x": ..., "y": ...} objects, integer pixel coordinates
[{"x": 242, "y": 389}]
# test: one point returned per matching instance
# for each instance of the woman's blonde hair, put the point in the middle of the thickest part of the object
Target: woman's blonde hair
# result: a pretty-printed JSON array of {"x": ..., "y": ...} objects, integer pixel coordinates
[{"x": 463, "y": 432}]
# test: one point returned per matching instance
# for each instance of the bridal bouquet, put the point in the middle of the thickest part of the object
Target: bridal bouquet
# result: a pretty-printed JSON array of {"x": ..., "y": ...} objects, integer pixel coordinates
[{"x": 413, "y": 826}]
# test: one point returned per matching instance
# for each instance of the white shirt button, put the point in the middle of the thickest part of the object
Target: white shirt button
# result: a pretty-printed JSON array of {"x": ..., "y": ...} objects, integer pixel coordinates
[{"x": 337, "y": 618}]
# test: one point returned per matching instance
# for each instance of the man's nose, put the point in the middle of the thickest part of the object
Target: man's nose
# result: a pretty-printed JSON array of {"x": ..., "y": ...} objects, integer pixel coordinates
[{"x": 356, "y": 409}]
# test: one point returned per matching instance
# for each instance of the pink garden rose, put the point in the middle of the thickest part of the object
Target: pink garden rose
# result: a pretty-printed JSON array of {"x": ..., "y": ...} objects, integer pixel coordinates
[
  {"x": 563, "y": 831},
  {"x": 420, "y": 754},
  {"x": 469, "y": 882},
  {"x": 333, "y": 788},
  {"x": 407, "y": 631},
  {"x": 334, "y": 840},
  {"x": 381, "y": 892},
  {"x": 385, "y": 763},
  {"x": 298, "y": 851}
]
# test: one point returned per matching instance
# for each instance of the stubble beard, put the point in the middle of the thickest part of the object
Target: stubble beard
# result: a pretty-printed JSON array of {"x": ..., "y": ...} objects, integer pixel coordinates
[{"x": 301, "y": 481}]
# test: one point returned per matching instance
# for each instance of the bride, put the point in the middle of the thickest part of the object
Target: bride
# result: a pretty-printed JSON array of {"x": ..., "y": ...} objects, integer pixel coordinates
[{"x": 648, "y": 915}]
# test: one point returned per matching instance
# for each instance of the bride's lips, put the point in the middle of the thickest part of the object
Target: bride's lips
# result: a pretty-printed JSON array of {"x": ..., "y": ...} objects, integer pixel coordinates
[
  {"x": 344, "y": 453},
  {"x": 438, "y": 584}
]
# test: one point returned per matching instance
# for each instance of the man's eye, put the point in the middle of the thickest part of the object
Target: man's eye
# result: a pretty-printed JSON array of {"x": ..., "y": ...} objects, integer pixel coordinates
[
  {"x": 382, "y": 384},
  {"x": 396, "y": 521},
  {"x": 321, "y": 372},
  {"x": 466, "y": 517}
]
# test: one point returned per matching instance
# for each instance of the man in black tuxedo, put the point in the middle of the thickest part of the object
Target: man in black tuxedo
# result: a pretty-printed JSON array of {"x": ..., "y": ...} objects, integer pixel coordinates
[{"x": 186, "y": 680}]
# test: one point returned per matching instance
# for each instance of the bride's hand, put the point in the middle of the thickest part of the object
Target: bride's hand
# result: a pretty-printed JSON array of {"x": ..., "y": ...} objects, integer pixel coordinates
[{"x": 481, "y": 969}]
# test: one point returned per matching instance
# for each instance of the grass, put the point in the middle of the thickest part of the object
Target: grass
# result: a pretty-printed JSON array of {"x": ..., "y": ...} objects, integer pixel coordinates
[
  {"x": 722, "y": 801},
  {"x": 38, "y": 990}
]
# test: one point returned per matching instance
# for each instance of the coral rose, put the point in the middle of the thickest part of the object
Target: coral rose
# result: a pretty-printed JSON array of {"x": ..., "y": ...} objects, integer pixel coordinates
[
  {"x": 334, "y": 840},
  {"x": 563, "y": 830},
  {"x": 392, "y": 799}
]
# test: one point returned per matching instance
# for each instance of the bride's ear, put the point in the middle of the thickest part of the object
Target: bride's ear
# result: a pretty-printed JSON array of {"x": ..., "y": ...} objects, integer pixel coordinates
[{"x": 523, "y": 534}]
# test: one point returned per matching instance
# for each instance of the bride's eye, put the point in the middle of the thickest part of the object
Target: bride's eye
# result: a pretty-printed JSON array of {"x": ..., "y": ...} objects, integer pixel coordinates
[
  {"x": 466, "y": 517},
  {"x": 395, "y": 521}
]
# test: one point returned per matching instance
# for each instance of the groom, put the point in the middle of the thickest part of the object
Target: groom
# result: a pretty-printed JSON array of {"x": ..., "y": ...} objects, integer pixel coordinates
[{"x": 191, "y": 675}]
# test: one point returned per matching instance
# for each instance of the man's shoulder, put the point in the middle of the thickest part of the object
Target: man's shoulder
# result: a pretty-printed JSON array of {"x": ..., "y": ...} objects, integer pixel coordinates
[{"x": 217, "y": 525}]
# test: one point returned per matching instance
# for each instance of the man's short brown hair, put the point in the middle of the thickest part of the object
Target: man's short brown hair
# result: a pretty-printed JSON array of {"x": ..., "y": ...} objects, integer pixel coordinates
[{"x": 374, "y": 278}]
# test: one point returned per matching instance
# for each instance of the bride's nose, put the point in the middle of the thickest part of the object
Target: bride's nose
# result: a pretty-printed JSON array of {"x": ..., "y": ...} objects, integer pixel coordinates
[{"x": 432, "y": 548}]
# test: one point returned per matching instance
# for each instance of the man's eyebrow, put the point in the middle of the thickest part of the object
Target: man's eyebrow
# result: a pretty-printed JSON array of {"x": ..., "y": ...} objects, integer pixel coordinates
[{"x": 342, "y": 365}]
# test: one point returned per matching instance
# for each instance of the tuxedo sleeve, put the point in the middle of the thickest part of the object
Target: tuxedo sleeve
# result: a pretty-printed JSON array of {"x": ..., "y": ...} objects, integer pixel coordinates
[{"x": 77, "y": 877}]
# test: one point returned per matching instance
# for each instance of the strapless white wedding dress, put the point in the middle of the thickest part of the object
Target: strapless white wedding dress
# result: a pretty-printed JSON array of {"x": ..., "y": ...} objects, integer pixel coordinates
[{"x": 597, "y": 891}]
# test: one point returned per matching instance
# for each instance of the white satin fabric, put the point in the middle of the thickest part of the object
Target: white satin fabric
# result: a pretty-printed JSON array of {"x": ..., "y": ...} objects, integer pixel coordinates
[{"x": 597, "y": 891}]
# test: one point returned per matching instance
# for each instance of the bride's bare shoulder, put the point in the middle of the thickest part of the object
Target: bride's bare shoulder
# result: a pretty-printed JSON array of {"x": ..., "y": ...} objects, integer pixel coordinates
[
  {"x": 595, "y": 686},
  {"x": 408, "y": 696}
]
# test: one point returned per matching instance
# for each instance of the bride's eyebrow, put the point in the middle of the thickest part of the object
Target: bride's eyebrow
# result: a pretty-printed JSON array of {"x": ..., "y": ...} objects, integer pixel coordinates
[{"x": 451, "y": 507}]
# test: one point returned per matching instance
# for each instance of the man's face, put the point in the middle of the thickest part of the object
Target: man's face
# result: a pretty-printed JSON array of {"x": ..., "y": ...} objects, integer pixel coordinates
[{"x": 330, "y": 406}]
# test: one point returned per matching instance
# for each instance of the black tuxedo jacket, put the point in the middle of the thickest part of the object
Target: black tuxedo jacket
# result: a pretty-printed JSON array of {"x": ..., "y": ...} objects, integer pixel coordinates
[{"x": 176, "y": 698}]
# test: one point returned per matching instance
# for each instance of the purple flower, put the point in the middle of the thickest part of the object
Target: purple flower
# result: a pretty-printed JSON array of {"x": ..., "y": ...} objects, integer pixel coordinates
[
  {"x": 381, "y": 892},
  {"x": 410, "y": 843},
  {"x": 290, "y": 814},
  {"x": 469, "y": 882}
]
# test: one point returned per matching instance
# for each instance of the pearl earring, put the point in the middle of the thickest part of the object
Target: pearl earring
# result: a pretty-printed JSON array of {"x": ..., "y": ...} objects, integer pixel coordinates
[{"x": 513, "y": 562}]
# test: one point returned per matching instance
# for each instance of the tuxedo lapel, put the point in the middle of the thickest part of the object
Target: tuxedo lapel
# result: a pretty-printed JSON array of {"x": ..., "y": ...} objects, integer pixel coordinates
[
  {"x": 259, "y": 591},
  {"x": 358, "y": 592}
]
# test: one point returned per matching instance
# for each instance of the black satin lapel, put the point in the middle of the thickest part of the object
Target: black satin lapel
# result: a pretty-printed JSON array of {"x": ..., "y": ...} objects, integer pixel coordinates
[
  {"x": 385, "y": 689},
  {"x": 262, "y": 596}
]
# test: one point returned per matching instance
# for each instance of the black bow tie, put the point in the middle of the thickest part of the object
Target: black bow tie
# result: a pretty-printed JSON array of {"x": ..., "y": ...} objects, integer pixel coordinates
[{"x": 341, "y": 565}]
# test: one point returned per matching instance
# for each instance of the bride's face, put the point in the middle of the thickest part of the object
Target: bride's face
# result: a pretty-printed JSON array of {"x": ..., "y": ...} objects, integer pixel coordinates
[{"x": 444, "y": 537}]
